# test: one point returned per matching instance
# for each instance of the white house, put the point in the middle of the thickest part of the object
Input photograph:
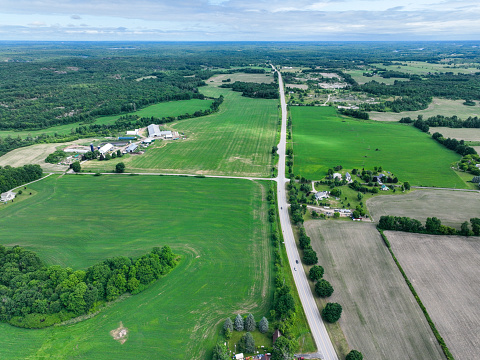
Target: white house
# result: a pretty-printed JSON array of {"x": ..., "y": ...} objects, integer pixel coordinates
[
  {"x": 337, "y": 175},
  {"x": 320, "y": 195},
  {"x": 7, "y": 196},
  {"x": 348, "y": 177},
  {"x": 105, "y": 148}
]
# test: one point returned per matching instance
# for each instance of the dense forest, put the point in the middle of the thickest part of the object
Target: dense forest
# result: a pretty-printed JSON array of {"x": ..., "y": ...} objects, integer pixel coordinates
[
  {"x": 11, "y": 177},
  {"x": 35, "y": 295}
]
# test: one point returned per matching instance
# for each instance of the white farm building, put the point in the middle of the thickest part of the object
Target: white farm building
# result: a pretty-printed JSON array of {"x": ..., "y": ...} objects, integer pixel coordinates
[
  {"x": 105, "y": 148},
  {"x": 131, "y": 148},
  {"x": 153, "y": 130},
  {"x": 132, "y": 132},
  {"x": 7, "y": 196}
]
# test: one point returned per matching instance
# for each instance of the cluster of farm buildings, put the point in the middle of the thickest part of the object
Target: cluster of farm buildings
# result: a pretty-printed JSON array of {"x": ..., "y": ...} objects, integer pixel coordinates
[{"x": 266, "y": 356}]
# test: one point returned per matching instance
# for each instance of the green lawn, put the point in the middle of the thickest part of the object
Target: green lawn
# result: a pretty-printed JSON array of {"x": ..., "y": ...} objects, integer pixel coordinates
[
  {"x": 217, "y": 226},
  {"x": 323, "y": 139},
  {"x": 237, "y": 140}
]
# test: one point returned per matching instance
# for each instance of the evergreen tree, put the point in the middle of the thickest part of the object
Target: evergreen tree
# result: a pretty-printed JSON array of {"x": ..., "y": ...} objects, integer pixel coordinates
[
  {"x": 238, "y": 324},
  {"x": 263, "y": 325},
  {"x": 250, "y": 323},
  {"x": 228, "y": 324}
]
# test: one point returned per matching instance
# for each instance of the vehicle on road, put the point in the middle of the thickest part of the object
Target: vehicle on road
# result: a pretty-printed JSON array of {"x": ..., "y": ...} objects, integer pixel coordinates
[{"x": 296, "y": 261}]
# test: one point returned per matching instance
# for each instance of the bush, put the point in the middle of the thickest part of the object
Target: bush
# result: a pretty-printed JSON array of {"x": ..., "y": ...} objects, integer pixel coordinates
[
  {"x": 331, "y": 312},
  {"x": 323, "y": 288}
]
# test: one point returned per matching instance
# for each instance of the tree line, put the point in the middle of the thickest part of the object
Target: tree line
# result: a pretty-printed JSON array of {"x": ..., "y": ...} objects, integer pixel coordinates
[
  {"x": 11, "y": 177},
  {"x": 35, "y": 295},
  {"x": 254, "y": 90},
  {"x": 472, "y": 122},
  {"x": 432, "y": 226}
]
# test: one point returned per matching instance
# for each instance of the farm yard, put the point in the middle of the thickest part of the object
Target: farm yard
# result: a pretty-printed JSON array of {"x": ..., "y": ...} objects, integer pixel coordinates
[
  {"x": 237, "y": 141},
  {"x": 210, "y": 223},
  {"x": 34, "y": 154},
  {"x": 451, "y": 207},
  {"x": 445, "y": 272},
  {"x": 380, "y": 317},
  {"x": 322, "y": 139}
]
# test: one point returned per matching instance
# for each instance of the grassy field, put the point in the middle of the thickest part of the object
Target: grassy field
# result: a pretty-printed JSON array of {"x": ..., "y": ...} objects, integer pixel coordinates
[
  {"x": 245, "y": 77},
  {"x": 445, "y": 272},
  {"x": 237, "y": 140},
  {"x": 359, "y": 78},
  {"x": 437, "y": 107},
  {"x": 323, "y": 140},
  {"x": 172, "y": 108},
  {"x": 380, "y": 317},
  {"x": 218, "y": 227},
  {"x": 451, "y": 207},
  {"x": 423, "y": 68}
]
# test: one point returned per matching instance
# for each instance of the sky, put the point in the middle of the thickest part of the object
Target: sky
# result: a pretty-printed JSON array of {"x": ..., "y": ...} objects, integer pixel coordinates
[{"x": 239, "y": 20}]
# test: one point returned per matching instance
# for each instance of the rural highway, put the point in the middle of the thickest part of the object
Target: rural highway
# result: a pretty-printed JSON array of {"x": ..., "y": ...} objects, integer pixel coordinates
[{"x": 317, "y": 327}]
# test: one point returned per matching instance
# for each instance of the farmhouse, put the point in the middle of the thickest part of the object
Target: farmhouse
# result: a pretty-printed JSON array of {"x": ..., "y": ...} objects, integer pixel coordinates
[
  {"x": 7, "y": 196},
  {"x": 385, "y": 188},
  {"x": 337, "y": 175},
  {"x": 105, "y": 148},
  {"x": 131, "y": 148},
  {"x": 348, "y": 177},
  {"x": 320, "y": 195},
  {"x": 276, "y": 335}
]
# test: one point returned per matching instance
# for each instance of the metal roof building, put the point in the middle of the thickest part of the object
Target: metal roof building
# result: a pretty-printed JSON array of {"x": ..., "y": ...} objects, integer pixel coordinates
[
  {"x": 153, "y": 130},
  {"x": 105, "y": 148},
  {"x": 131, "y": 148},
  {"x": 7, "y": 196}
]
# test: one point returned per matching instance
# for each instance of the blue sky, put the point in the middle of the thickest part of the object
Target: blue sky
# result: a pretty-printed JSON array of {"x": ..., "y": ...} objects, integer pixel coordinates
[{"x": 239, "y": 20}]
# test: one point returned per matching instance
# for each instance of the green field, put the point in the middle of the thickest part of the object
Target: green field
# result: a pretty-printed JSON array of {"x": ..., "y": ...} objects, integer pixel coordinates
[
  {"x": 237, "y": 140},
  {"x": 323, "y": 139},
  {"x": 217, "y": 226},
  {"x": 171, "y": 108}
]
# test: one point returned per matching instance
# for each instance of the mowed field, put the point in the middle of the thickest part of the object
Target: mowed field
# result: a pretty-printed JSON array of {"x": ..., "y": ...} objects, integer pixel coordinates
[
  {"x": 171, "y": 108},
  {"x": 361, "y": 79},
  {"x": 245, "y": 77},
  {"x": 451, "y": 207},
  {"x": 323, "y": 139},
  {"x": 423, "y": 68},
  {"x": 217, "y": 226},
  {"x": 237, "y": 141},
  {"x": 445, "y": 271},
  {"x": 438, "y": 106},
  {"x": 380, "y": 316}
]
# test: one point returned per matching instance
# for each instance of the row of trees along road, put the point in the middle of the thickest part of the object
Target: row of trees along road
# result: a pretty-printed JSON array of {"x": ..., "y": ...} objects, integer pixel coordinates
[{"x": 11, "y": 177}]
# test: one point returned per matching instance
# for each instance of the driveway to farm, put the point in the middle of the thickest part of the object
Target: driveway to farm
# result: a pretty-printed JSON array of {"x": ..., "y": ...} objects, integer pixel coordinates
[{"x": 317, "y": 327}]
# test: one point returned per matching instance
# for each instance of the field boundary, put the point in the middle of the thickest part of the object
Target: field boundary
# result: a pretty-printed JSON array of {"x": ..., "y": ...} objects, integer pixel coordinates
[{"x": 439, "y": 338}]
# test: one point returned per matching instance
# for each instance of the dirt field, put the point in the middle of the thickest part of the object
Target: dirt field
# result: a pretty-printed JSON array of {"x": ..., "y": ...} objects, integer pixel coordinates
[
  {"x": 297, "y": 86},
  {"x": 451, "y": 207},
  {"x": 477, "y": 149},
  {"x": 380, "y": 316},
  {"x": 460, "y": 134},
  {"x": 445, "y": 271},
  {"x": 437, "y": 107},
  {"x": 35, "y": 154},
  {"x": 257, "y": 78}
]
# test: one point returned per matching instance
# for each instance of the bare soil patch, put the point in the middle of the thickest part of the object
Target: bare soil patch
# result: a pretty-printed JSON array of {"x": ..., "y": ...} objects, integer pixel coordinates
[
  {"x": 380, "y": 316},
  {"x": 451, "y": 207},
  {"x": 297, "y": 86},
  {"x": 445, "y": 271},
  {"x": 120, "y": 334},
  {"x": 459, "y": 134}
]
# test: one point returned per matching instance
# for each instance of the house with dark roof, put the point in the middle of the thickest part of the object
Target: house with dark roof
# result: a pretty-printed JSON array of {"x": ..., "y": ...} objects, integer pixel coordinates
[{"x": 276, "y": 335}]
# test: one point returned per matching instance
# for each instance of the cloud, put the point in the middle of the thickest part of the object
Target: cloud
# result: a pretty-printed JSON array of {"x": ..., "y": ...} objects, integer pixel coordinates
[{"x": 246, "y": 19}]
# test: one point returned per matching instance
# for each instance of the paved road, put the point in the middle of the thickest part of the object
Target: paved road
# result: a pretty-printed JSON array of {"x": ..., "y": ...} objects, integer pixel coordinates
[{"x": 315, "y": 321}]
